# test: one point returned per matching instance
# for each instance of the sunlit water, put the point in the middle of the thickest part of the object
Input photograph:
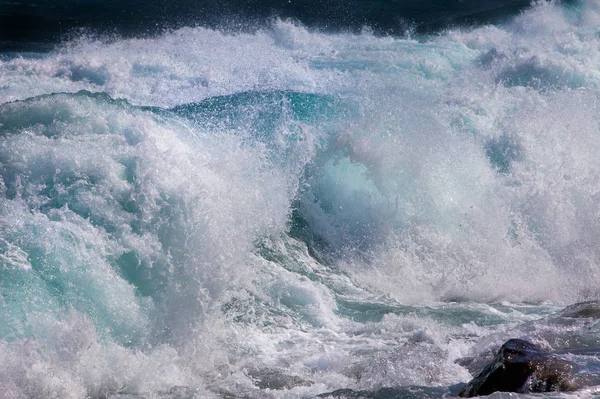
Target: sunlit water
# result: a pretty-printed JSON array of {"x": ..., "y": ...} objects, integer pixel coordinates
[{"x": 285, "y": 213}]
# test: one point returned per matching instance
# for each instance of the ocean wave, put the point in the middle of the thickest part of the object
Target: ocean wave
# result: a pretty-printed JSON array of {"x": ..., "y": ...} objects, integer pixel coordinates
[{"x": 289, "y": 212}]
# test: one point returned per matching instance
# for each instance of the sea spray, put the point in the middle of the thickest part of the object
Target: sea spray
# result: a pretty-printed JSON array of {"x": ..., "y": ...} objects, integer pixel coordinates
[{"x": 210, "y": 214}]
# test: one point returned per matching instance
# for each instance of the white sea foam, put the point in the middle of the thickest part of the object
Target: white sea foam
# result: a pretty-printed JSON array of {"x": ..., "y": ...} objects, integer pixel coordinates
[{"x": 143, "y": 253}]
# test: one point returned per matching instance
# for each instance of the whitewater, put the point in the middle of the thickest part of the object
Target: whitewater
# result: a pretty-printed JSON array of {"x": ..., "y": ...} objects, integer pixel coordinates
[{"x": 284, "y": 212}]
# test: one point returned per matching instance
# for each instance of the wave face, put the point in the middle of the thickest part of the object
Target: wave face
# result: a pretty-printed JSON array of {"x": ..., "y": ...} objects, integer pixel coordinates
[{"x": 288, "y": 212}]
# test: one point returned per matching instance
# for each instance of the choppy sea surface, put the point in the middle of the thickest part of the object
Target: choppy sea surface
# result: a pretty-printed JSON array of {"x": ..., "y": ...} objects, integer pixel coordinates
[{"x": 286, "y": 211}]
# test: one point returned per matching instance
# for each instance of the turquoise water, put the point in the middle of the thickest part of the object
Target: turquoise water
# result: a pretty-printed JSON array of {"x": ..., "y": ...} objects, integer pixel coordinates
[{"x": 288, "y": 212}]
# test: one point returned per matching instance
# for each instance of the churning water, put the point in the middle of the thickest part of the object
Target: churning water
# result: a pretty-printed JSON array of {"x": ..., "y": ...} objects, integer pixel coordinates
[{"x": 284, "y": 212}]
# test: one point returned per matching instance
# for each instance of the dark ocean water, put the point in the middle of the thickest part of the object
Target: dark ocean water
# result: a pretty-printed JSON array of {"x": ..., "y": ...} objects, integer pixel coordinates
[
  {"x": 44, "y": 22},
  {"x": 284, "y": 199}
]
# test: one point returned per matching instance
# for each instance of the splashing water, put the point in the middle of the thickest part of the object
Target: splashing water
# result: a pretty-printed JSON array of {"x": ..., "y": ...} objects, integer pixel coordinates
[{"x": 288, "y": 212}]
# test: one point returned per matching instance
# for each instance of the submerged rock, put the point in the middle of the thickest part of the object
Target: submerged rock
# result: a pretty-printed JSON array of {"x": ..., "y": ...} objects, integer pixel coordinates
[
  {"x": 275, "y": 379},
  {"x": 519, "y": 366},
  {"x": 589, "y": 309}
]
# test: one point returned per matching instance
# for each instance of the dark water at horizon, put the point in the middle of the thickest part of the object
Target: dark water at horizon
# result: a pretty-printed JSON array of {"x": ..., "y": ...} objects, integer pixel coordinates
[{"x": 27, "y": 24}]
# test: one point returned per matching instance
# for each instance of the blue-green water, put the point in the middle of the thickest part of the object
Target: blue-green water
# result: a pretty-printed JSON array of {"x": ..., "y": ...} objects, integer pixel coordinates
[{"x": 287, "y": 212}]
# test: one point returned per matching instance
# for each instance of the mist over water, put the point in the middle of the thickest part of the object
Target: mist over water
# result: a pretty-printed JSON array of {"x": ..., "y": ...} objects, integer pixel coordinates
[{"x": 288, "y": 211}]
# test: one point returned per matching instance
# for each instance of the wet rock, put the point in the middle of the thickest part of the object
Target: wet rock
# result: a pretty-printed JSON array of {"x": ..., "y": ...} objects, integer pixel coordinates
[
  {"x": 520, "y": 366},
  {"x": 274, "y": 379},
  {"x": 582, "y": 310}
]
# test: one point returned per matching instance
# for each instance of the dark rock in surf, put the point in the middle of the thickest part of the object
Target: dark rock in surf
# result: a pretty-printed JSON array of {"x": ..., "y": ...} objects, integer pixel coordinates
[
  {"x": 275, "y": 379},
  {"x": 589, "y": 309},
  {"x": 519, "y": 366}
]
